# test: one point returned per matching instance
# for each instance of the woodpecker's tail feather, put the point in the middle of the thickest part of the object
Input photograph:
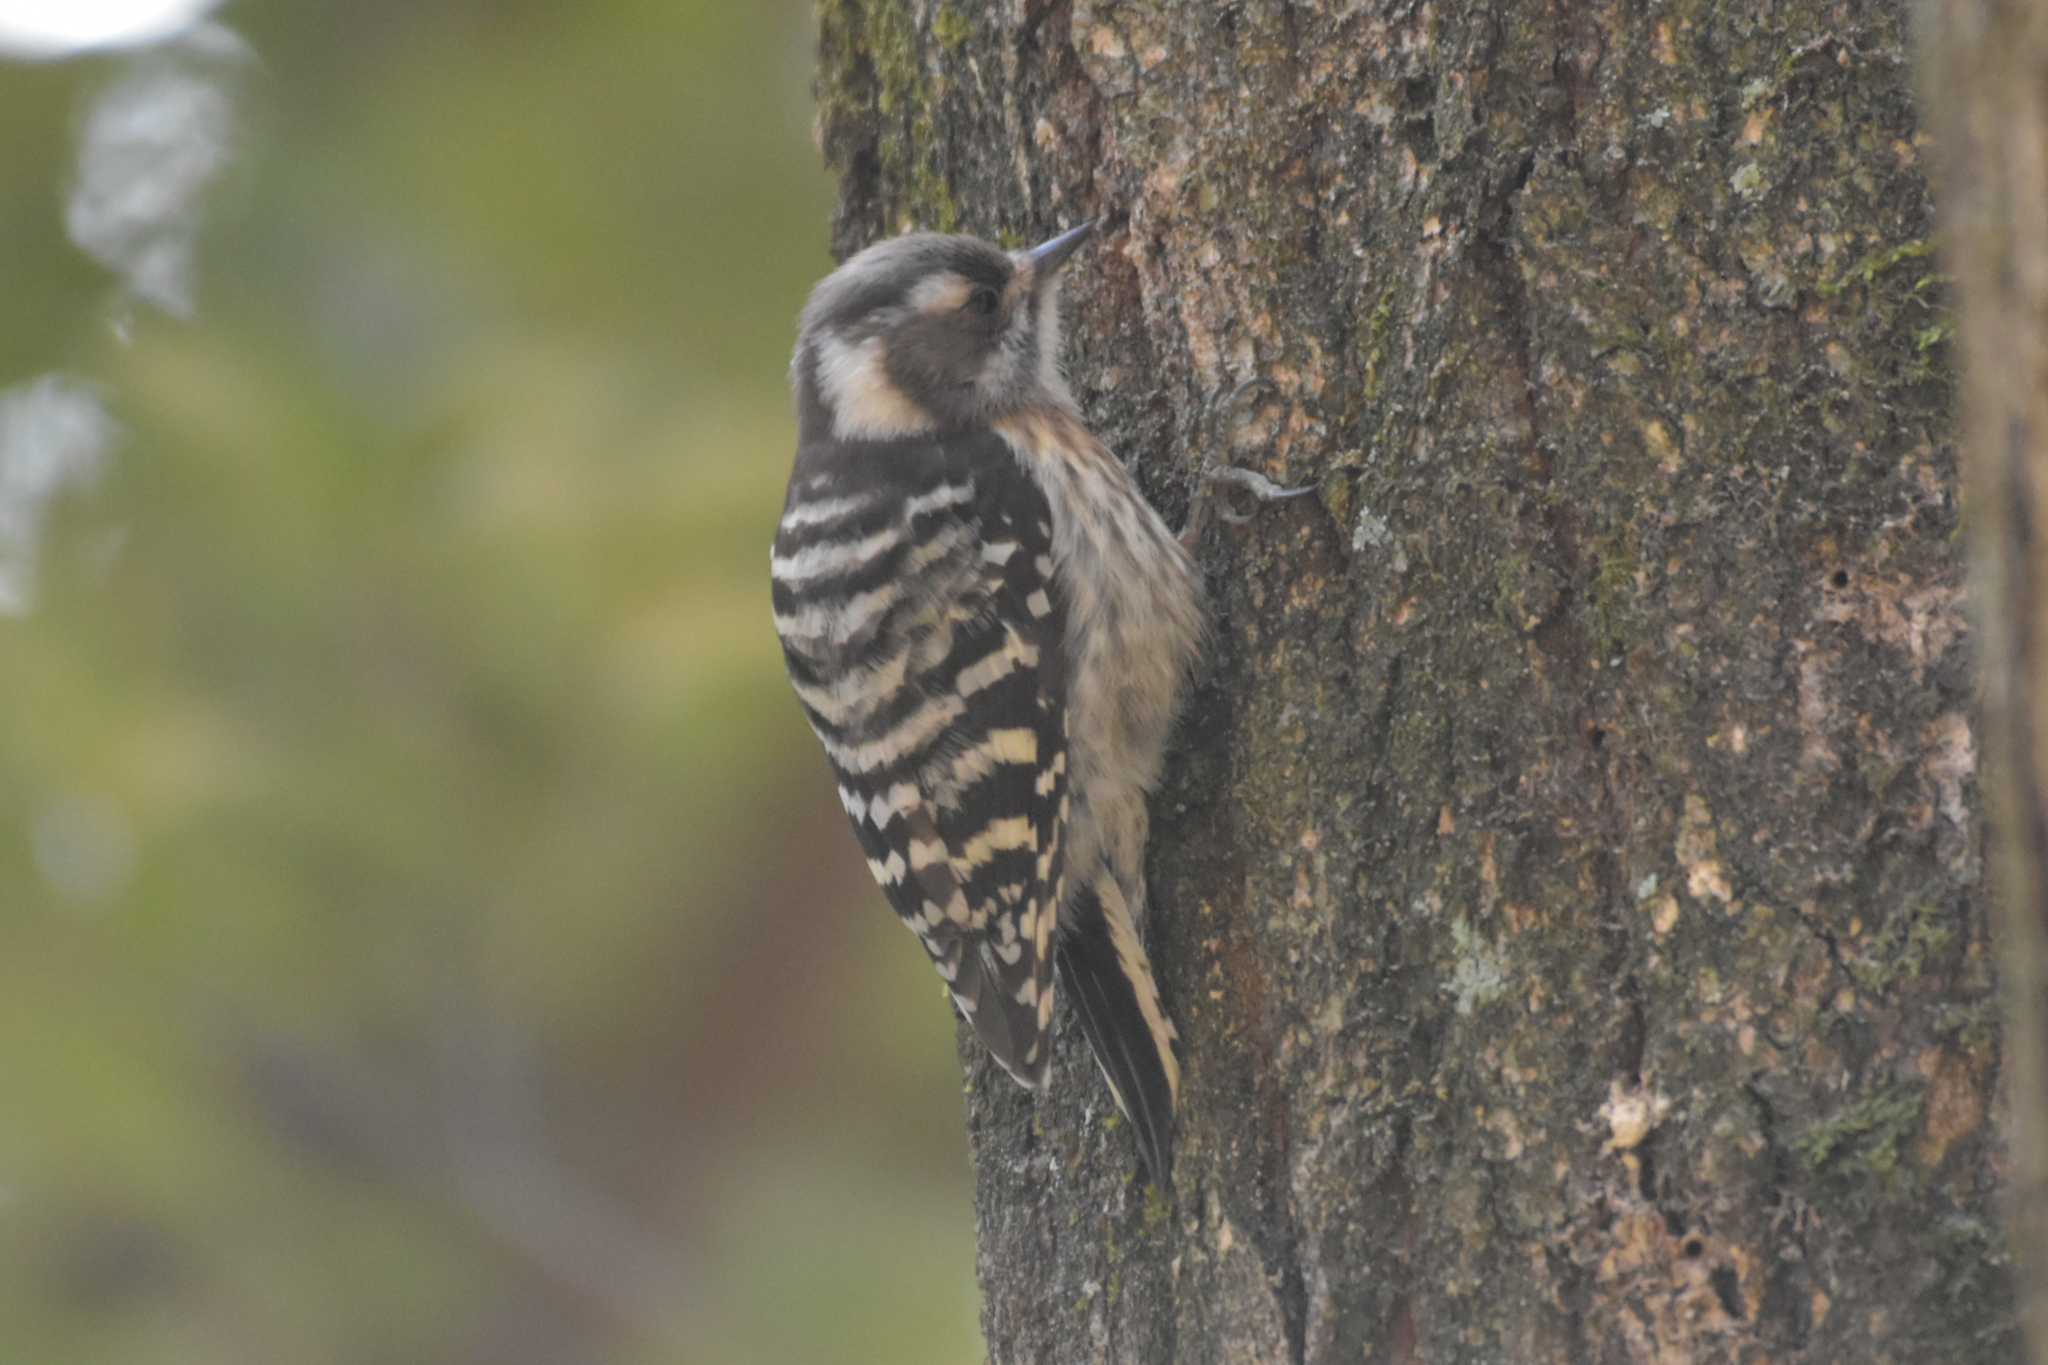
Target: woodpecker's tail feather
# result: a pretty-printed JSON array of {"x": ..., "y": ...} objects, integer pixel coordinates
[
  {"x": 1003, "y": 1006},
  {"x": 1104, "y": 971}
]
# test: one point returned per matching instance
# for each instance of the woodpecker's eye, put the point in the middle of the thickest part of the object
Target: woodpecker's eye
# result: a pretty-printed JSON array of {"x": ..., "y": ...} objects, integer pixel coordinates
[{"x": 983, "y": 302}]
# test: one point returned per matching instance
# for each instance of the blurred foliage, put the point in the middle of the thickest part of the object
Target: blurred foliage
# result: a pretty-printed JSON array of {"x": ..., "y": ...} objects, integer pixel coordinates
[{"x": 426, "y": 930}]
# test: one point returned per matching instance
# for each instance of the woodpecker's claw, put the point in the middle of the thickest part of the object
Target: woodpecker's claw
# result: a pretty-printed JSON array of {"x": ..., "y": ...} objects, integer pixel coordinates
[
  {"x": 1253, "y": 482},
  {"x": 1250, "y": 480}
]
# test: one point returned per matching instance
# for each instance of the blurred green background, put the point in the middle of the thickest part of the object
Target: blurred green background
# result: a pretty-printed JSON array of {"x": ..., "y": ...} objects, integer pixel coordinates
[{"x": 427, "y": 932}]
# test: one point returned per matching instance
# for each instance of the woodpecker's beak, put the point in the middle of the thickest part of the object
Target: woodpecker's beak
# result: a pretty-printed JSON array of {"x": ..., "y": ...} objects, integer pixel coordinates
[{"x": 1047, "y": 257}]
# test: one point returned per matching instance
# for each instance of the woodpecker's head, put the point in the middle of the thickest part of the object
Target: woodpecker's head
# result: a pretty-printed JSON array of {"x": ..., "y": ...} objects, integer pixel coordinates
[{"x": 930, "y": 333}]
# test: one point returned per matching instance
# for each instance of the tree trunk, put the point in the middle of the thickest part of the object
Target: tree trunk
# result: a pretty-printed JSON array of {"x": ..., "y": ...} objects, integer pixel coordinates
[
  {"x": 1569, "y": 884},
  {"x": 1986, "y": 77}
]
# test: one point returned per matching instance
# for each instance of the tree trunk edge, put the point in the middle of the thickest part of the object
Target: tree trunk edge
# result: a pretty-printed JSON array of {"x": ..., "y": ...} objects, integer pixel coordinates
[{"x": 1984, "y": 74}]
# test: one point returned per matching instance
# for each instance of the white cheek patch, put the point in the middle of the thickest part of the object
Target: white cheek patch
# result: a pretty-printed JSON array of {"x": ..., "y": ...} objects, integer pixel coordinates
[
  {"x": 944, "y": 292},
  {"x": 864, "y": 402}
]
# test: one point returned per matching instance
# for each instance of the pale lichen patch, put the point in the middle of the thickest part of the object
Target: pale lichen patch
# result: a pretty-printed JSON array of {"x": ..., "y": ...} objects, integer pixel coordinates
[
  {"x": 1697, "y": 848},
  {"x": 1664, "y": 914},
  {"x": 1479, "y": 971},
  {"x": 1632, "y": 1113}
]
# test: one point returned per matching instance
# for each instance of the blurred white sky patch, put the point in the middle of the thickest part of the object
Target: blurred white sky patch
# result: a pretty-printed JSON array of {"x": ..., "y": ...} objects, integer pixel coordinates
[
  {"x": 44, "y": 29},
  {"x": 149, "y": 147},
  {"x": 84, "y": 848},
  {"x": 55, "y": 434}
]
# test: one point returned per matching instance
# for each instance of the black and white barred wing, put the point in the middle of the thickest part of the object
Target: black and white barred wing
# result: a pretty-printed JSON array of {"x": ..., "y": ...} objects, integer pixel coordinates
[{"x": 913, "y": 596}]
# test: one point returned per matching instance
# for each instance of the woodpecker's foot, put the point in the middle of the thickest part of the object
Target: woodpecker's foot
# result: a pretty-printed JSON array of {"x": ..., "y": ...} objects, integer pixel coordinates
[{"x": 1251, "y": 481}]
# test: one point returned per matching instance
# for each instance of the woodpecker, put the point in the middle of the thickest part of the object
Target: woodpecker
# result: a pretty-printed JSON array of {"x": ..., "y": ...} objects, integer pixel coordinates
[{"x": 989, "y": 630}]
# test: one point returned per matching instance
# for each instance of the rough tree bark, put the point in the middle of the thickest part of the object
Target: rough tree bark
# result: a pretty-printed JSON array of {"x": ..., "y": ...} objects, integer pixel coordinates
[
  {"x": 1985, "y": 74},
  {"x": 1570, "y": 881}
]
